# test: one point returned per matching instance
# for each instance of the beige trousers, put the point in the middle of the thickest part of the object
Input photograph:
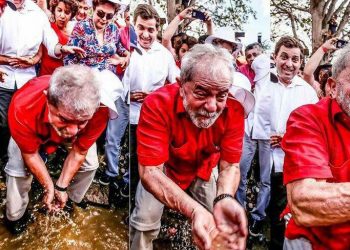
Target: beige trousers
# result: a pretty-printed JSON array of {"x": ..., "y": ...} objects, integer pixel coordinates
[
  {"x": 19, "y": 180},
  {"x": 145, "y": 218}
]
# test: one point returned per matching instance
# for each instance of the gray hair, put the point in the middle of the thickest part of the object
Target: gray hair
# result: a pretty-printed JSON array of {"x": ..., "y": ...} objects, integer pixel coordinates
[
  {"x": 341, "y": 61},
  {"x": 75, "y": 89},
  {"x": 205, "y": 57}
]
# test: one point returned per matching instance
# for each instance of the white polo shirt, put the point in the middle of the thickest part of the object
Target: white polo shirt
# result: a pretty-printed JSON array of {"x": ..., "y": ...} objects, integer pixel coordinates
[
  {"x": 21, "y": 33},
  {"x": 148, "y": 72}
]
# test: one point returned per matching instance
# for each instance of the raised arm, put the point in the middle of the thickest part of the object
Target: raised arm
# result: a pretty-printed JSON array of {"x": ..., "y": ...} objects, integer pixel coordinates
[
  {"x": 316, "y": 58},
  {"x": 173, "y": 26}
]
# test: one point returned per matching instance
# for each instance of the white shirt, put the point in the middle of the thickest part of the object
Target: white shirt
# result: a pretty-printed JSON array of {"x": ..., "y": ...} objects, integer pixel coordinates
[
  {"x": 21, "y": 33},
  {"x": 148, "y": 72},
  {"x": 279, "y": 101}
]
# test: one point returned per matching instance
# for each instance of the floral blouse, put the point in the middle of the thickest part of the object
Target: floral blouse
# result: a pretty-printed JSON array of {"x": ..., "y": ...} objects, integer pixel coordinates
[{"x": 84, "y": 36}]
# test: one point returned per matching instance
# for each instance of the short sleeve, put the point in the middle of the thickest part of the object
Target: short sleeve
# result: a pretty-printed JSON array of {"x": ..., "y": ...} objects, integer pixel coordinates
[
  {"x": 22, "y": 133},
  {"x": 152, "y": 135},
  {"x": 232, "y": 141},
  {"x": 305, "y": 148}
]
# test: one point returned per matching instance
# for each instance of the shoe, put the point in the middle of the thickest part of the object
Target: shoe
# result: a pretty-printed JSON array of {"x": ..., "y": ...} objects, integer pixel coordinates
[
  {"x": 69, "y": 207},
  {"x": 105, "y": 179},
  {"x": 83, "y": 204},
  {"x": 255, "y": 229},
  {"x": 19, "y": 226},
  {"x": 124, "y": 191}
]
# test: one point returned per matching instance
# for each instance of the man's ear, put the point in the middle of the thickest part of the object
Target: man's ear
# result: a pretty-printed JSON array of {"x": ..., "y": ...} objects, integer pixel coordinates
[{"x": 332, "y": 86}]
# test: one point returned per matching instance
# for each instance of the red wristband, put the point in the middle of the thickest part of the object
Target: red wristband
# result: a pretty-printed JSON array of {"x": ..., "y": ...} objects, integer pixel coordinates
[
  {"x": 180, "y": 17},
  {"x": 325, "y": 50}
]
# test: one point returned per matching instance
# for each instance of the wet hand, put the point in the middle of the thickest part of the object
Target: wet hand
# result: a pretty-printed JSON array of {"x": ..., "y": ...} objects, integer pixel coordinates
[
  {"x": 231, "y": 223},
  {"x": 49, "y": 195},
  {"x": 203, "y": 228},
  {"x": 60, "y": 199}
]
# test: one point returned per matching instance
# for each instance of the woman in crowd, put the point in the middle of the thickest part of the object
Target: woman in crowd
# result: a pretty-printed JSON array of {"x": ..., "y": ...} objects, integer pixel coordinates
[
  {"x": 179, "y": 44},
  {"x": 63, "y": 11},
  {"x": 99, "y": 37}
]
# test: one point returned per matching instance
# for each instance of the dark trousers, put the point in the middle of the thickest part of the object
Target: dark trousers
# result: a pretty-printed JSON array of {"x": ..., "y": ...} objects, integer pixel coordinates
[
  {"x": 278, "y": 203},
  {"x": 5, "y": 99},
  {"x": 134, "y": 173}
]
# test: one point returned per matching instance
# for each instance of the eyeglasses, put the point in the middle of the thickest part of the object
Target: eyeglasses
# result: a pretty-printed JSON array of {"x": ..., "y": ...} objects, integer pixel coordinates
[{"x": 101, "y": 14}]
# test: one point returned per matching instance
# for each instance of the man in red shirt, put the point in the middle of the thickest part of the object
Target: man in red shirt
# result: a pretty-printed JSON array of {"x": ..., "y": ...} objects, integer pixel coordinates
[
  {"x": 317, "y": 167},
  {"x": 185, "y": 130},
  {"x": 251, "y": 51},
  {"x": 47, "y": 112}
]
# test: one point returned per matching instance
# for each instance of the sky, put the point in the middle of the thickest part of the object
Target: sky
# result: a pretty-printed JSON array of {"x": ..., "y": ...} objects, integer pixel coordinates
[{"x": 261, "y": 24}]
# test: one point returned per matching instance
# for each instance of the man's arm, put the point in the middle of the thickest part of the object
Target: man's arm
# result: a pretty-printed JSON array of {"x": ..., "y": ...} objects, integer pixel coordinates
[
  {"x": 71, "y": 165},
  {"x": 229, "y": 215},
  {"x": 229, "y": 176},
  {"x": 171, "y": 195},
  {"x": 318, "y": 203},
  {"x": 37, "y": 167}
]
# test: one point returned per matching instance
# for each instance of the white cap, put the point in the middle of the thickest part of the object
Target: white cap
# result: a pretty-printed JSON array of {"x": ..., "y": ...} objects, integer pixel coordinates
[
  {"x": 111, "y": 88},
  {"x": 241, "y": 91},
  {"x": 261, "y": 67},
  {"x": 226, "y": 34}
]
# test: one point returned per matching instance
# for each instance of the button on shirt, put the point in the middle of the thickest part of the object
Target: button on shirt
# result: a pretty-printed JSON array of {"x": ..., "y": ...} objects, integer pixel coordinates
[
  {"x": 21, "y": 33},
  {"x": 148, "y": 72},
  {"x": 317, "y": 145},
  {"x": 276, "y": 102},
  {"x": 166, "y": 134}
]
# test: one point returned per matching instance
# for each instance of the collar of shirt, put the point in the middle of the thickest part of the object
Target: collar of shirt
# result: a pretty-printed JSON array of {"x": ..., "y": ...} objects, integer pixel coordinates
[
  {"x": 338, "y": 115},
  {"x": 296, "y": 81},
  {"x": 156, "y": 46},
  {"x": 26, "y": 7}
]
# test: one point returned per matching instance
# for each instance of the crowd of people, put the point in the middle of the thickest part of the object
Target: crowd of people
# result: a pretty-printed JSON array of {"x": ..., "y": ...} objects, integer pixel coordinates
[{"x": 198, "y": 111}]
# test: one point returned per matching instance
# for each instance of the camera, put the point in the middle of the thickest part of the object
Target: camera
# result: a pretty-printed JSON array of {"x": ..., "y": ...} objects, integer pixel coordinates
[
  {"x": 198, "y": 15},
  {"x": 340, "y": 44}
]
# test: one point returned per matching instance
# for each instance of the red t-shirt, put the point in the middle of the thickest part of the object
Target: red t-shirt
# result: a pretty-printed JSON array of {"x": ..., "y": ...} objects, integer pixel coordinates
[
  {"x": 317, "y": 145},
  {"x": 30, "y": 127},
  {"x": 165, "y": 134},
  {"x": 48, "y": 63}
]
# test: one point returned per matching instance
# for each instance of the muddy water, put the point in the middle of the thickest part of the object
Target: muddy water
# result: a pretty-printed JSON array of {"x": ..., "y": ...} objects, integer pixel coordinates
[{"x": 93, "y": 228}]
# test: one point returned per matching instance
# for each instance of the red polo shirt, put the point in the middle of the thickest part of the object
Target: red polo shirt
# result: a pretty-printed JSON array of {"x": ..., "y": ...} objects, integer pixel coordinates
[
  {"x": 30, "y": 127},
  {"x": 317, "y": 145},
  {"x": 165, "y": 134}
]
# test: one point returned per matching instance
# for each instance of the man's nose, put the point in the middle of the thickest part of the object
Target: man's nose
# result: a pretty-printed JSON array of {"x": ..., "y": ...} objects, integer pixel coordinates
[
  {"x": 72, "y": 129},
  {"x": 211, "y": 105}
]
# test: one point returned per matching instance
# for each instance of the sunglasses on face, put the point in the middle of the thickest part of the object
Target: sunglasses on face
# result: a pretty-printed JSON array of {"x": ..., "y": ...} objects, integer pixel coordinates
[{"x": 101, "y": 14}]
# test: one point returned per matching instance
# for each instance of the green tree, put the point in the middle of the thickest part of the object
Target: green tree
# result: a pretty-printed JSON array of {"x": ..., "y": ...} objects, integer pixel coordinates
[{"x": 309, "y": 19}]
